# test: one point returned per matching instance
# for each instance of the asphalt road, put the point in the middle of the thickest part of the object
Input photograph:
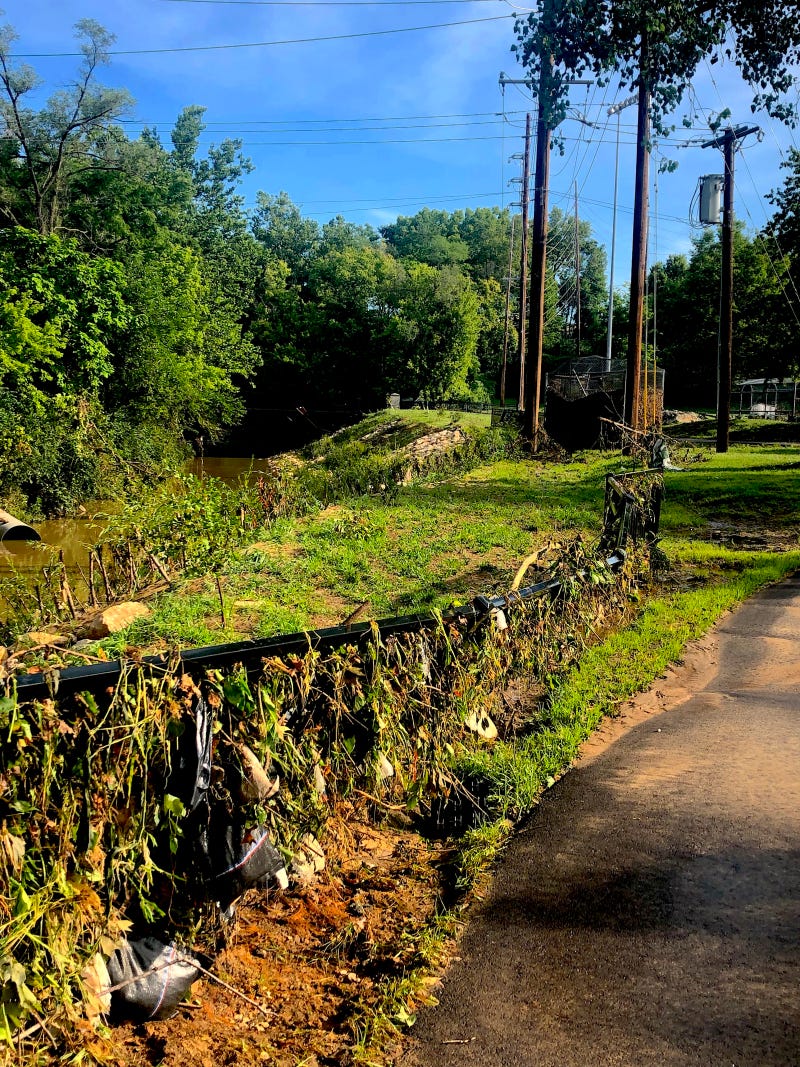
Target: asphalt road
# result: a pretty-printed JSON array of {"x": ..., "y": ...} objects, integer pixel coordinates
[{"x": 649, "y": 912}]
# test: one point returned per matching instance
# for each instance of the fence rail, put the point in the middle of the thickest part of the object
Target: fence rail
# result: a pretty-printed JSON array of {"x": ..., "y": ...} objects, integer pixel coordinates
[{"x": 625, "y": 518}]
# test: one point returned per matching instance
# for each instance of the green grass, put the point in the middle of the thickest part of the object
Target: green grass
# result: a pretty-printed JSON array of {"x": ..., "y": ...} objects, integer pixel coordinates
[
  {"x": 444, "y": 540},
  {"x": 748, "y": 486},
  {"x": 440, "y": 541},
  {"x": 626, "y": 662},
  {"x": 742, "y": 429}
]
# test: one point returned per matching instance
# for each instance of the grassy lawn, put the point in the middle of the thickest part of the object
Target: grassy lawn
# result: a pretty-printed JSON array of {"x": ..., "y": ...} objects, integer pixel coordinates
[
  {"x": 444, "y": 540},
  {"x": 438, "y": 542},
  {"x": 742, "y": 429}
]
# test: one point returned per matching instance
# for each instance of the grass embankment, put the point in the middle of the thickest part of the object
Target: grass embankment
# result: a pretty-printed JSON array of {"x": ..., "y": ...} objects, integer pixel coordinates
[{"x": 447, "y": 539}]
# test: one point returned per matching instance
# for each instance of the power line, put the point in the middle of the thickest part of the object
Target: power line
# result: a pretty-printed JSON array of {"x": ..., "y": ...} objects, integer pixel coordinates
[
  {"x": 330, "y": 3},
  {"x": 381, "y": 140},
  {"x": 348, "y": 129},
  {"x": 386, "y": 202},
  {"x": 376, "y": 141},
  {"x": 265, "y": 44},
  {"x": 282, "y": 122}
]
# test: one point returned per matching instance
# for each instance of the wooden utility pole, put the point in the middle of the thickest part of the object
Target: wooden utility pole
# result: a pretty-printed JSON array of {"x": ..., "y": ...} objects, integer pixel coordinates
[
  {"x": 541, "y": 181},
  {"x": 577, "y": 280},
  {"x": 638, "y": 252},
  {"x": 727, "y": 142},
  {"x": 725, "y": 372},
  {"x": 615, "y": 109},
  {"x": 507, "y": 320},
  {"x": 523, "y": 268},
  {"x": 533, "y": 376}
]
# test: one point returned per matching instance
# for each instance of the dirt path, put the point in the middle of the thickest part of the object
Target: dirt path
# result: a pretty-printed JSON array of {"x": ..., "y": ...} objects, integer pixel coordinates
[{"x": 649, "y": 912}]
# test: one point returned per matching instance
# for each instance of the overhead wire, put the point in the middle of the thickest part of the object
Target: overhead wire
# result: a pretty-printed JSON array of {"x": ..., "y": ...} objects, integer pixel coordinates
[
  {"x": 283, "y": 122},
  {"x": 766, "y": 250},
  {"x": 174, "y": 50},
  {"x": 385, "y": 202},
  {"x": 350, "y": 129},
  {"x": 330, "y": 3}
]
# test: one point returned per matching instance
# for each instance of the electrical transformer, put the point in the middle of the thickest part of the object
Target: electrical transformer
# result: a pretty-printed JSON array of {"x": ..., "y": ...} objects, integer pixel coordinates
[{"x": 711, "y": 186}]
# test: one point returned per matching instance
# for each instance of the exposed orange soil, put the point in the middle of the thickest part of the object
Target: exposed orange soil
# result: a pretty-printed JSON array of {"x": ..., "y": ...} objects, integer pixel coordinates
[{"x": 307, "y": 960}]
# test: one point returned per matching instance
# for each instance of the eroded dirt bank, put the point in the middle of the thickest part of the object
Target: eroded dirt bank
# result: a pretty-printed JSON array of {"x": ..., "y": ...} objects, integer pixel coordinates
[{"x": 649, "y": 911}]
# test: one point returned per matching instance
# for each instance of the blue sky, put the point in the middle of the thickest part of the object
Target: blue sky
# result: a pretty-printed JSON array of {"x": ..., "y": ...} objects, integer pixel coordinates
[{"x": 422, "y": 111}]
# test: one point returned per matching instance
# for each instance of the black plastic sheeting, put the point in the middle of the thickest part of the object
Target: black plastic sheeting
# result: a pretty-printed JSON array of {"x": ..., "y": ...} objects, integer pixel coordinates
[
  {"x": 96, "y": 677},
  {"x": 576, "y": 424},
  {"x": 220, "y": 857}
]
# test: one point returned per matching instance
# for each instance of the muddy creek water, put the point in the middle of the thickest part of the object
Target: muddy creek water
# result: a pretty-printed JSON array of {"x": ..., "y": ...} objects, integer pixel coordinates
[{"x": 76, "y": 536}]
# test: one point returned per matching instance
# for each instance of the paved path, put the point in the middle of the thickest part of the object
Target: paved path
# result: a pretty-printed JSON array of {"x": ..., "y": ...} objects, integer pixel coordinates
[{"x": 649, "y": 912}]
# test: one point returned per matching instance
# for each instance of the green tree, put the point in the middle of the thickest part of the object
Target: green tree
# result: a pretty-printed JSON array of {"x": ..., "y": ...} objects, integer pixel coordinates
[
  {"x": 660, "y": 43},
  {"x": 491, "y": 311},
  {"x": 47, "y": 150},
  {"x": 688, "y": 317},
  {"x": 215, "y": 220},
  {"x": 436, "y": 326},
  {"x": 61, "y": 315},
  {"x": 283, "y": 232},
  {"x": 63, "y": 311},
  {"x": 352, "y": 293},
  {"x": 486, "y": 231},
  {"x": 430, "y": 237},
  {"x": 181, "y": 359},
  {"x": 785, "y": 224},
  {"x": 339, "y": 234}
]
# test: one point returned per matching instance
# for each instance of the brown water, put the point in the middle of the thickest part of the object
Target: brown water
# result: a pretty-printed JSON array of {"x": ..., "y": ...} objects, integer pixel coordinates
[{"x": 74, "y": 537}]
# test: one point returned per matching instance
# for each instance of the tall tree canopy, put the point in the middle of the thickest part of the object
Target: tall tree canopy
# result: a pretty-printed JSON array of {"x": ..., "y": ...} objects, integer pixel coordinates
[
  {"x": 765, "y": 324},
  {"x": 660, "y": 43},
  {"x": 46, "y": 151}
]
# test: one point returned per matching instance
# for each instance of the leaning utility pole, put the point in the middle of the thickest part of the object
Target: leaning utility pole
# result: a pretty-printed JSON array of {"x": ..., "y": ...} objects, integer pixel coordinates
[
  {"x": 533, "y": 381},
  {"x": 639, "y": 250},
  {"x": 614, "y": 110},
  {"x": 523, "y": 267},
  {"x": 727, "y": 142}
]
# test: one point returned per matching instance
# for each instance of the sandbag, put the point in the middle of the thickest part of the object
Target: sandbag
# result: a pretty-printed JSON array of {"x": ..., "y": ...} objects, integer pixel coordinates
[
  {"x": 153, "y": 978},
  {"x": 243, "y": 859}
]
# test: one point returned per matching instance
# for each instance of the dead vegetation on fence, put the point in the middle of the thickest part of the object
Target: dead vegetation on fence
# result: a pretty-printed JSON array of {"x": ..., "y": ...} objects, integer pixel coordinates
[{"x": 94, "y": 846}]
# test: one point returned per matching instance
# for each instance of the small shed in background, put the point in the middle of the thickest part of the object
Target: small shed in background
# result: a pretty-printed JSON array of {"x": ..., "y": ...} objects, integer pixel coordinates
[{"x": 766, "y": 398}]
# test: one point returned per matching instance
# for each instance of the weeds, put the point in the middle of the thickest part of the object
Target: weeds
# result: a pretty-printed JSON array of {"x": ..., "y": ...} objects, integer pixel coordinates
[
  {"x": 94, "y": 838},
  {"x": 89, "y": 839}
]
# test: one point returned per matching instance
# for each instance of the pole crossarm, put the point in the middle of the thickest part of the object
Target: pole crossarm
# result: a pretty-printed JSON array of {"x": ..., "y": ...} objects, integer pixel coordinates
[{"x": 735, "y": 133}]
